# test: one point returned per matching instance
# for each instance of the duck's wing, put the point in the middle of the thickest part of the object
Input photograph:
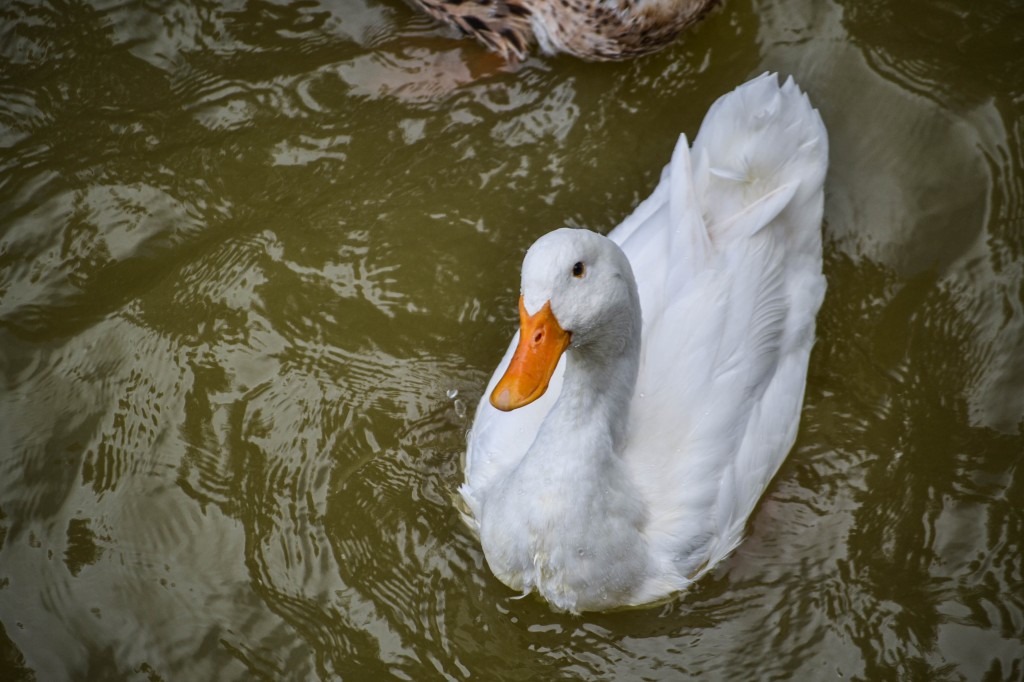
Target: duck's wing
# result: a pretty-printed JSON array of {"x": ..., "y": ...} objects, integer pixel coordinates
[
  {"x": 728, "y": 334},
  {"x": 665, "y": 238}
]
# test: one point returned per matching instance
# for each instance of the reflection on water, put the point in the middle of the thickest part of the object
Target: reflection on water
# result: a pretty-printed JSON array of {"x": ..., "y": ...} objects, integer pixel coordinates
[{"x": 248, "y": 249}]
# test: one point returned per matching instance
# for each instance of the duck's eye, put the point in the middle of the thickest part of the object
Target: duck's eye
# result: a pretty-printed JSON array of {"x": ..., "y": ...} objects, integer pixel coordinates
[{"x": 578, "y": 270}]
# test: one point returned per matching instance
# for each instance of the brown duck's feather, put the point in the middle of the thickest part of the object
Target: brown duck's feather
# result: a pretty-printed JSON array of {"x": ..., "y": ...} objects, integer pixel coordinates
[
  {"x": 501, "y": 25},
  {"x": 596, "y": 30},
  {"x": 618, "y": 29}
]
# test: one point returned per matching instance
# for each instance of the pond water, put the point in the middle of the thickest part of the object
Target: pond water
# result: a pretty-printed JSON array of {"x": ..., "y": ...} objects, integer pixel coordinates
[{"x": 258, "y": 259}]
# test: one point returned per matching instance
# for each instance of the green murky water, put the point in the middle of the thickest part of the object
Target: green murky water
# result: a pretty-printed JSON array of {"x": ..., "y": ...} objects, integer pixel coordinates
[{"x": 248, "y": 249}]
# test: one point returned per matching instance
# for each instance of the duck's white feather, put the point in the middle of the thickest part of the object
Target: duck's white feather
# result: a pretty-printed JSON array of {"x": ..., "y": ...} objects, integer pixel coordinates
[{"x": 727, "y": 257}]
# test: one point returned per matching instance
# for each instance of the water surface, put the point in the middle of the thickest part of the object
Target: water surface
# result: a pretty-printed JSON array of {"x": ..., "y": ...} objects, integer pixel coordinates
[{"x": 249, "y": 250}]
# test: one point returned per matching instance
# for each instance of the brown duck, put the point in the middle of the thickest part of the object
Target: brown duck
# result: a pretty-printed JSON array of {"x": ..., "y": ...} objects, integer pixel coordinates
[{"x": 590, "y": 29}]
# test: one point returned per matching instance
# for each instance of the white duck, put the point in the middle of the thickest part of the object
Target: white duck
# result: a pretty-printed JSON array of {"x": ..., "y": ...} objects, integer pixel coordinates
[{"x": 678, "y": 395}]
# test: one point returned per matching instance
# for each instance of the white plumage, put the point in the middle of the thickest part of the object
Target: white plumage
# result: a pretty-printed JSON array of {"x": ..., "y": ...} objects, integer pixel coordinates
[{"x": 678, "y": 397}]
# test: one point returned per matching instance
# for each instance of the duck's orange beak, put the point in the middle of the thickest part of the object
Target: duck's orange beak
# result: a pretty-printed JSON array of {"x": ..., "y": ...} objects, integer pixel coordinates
[{"x": 541, "y": 342}]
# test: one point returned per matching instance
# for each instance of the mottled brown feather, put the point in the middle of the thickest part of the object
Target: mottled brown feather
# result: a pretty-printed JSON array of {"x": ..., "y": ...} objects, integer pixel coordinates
[
  {"x": 501, "y": 25},
  {"x": 603, "y": 30}
]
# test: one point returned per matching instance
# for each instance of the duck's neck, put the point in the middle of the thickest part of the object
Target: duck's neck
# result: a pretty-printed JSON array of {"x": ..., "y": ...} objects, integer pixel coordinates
[
  {"x": 598, "y": 389},
  {"x": 596, "y": 394}
]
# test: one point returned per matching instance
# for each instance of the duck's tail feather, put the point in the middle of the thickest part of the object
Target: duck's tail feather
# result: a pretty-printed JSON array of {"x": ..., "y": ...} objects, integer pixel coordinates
[
  {"x": 761, "y": 154},
  {"x": 763, "y": 150}
]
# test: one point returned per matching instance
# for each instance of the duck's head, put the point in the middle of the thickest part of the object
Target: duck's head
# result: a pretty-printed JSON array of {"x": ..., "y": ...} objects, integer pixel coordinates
[{"x": 578, "y": 291}]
